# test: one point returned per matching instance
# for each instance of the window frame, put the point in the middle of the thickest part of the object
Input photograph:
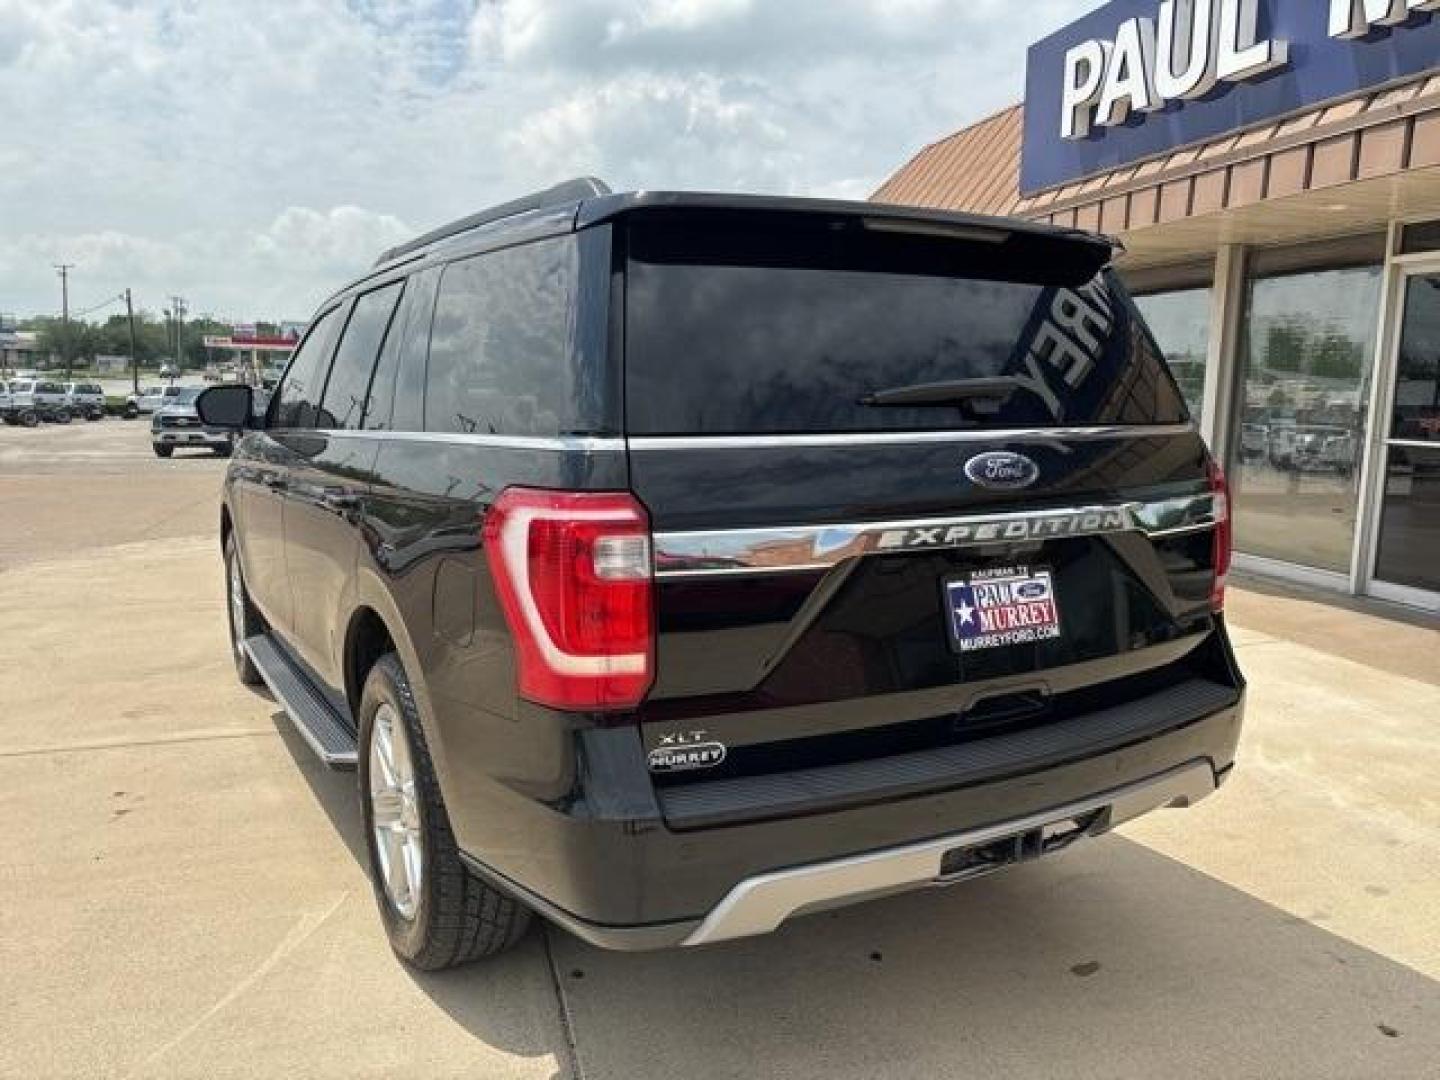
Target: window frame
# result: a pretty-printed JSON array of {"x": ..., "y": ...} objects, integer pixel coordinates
[
  {"x": 412, "y": 301},
  {"x": 354, "y": 302},
  {"x": 277, "y": 393}
]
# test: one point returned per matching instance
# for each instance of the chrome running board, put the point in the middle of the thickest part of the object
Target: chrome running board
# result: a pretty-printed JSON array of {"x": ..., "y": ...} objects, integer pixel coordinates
[{"x": 316, "y": 721}]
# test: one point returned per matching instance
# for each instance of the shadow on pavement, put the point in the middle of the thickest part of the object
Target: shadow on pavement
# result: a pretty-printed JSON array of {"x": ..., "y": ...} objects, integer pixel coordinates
[
  {"x": 485, "y": 998},
  {"x": 1109, "y": 961}
]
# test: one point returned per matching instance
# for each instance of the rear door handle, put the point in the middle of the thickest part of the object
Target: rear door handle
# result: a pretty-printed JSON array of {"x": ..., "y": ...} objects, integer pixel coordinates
[{"x": 274, "y": 482}]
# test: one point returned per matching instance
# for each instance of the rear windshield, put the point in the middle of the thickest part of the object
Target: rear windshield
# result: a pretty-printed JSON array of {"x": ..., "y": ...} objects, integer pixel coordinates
[{"x": 789, "y": 328}]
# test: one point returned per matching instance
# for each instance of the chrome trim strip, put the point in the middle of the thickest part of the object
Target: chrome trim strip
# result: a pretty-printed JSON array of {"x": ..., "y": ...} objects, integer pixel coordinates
[
  {"x": 760, "y": 904},
  {"x": 820, "y": 547},
  {"x": 998, "y": 436},
  {"x": 643, "y": 443},
  {"x": 590, "y": 444}
]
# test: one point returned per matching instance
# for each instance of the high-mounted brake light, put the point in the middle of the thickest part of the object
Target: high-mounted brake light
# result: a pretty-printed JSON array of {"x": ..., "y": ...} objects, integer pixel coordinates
[
  {"x": 1220, "y": 490},
  {"x": 573, "y": 574}
]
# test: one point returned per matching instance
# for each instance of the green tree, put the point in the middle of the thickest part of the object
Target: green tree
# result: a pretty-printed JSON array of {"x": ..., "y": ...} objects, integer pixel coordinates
[{"x": 1285, "y": 344}]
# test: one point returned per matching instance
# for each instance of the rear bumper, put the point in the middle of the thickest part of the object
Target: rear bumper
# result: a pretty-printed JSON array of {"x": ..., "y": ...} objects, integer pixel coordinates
[
  {"x": 189, "y": 437},
  {"x": 619, "y": 878},
  {"x": 759, "y": 904}
]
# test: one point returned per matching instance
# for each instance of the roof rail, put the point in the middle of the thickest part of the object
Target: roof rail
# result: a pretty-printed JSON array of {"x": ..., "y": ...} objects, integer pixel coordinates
[{"x": 570, "y": 191}]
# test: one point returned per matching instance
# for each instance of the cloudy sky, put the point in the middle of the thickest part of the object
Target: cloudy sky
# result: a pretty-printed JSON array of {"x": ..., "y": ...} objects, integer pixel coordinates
[{"x": 251, "y": 154}]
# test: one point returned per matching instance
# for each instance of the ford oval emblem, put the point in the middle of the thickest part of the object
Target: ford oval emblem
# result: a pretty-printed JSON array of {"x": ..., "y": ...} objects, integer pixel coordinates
[{"x": 1002, "y": 470}]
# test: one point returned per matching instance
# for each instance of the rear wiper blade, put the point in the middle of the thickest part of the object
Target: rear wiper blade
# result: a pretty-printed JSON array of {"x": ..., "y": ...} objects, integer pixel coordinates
[{"x": 992, "y": 392}]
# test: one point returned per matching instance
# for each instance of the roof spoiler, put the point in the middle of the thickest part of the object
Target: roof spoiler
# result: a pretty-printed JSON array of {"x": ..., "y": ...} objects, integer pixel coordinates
[{"x": 571, "y": 191}]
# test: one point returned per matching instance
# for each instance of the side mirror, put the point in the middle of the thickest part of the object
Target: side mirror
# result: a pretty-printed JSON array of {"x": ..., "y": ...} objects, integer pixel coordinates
[{"x": 225, "y": 407}]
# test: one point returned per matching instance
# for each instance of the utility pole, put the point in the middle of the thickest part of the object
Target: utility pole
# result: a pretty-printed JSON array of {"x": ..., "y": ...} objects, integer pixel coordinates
[
  {"x": 64, "y": 271},
  {"x": 134, "y": 355},
  {"x": 178, "y": 306}
]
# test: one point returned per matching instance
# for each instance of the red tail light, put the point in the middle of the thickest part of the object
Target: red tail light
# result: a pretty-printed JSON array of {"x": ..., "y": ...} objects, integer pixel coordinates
[
  {"x": 1220, "y": 488},
  {"x": 573, "y": 573}
]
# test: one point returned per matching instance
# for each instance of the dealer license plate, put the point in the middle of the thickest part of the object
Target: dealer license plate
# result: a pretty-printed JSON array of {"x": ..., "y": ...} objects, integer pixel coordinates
[{"x": 1013, "y": 605}]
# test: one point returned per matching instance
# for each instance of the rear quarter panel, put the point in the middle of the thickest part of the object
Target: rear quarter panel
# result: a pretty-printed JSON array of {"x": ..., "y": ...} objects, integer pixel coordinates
[{"x": 423, "y": 568}]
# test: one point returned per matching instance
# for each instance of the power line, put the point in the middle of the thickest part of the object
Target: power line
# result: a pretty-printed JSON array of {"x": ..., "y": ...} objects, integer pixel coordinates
[{"x": 118, "y": 298}]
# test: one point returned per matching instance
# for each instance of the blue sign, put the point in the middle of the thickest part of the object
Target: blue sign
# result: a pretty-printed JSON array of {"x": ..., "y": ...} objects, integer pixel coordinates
[{"x": 1141, "y": 78}]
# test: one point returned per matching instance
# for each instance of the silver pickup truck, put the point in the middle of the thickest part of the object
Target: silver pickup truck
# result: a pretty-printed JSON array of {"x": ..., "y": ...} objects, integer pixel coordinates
[
  {"x": 46, "y": 400},
  {"x": 150, "y": 400},
  {"x": 13, "y": 412},
  {"x": 85, "y": 399}
]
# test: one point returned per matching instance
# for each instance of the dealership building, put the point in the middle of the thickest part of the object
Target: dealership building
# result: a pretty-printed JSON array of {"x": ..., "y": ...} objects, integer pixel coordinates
[{"x": 1272, "y": 168}]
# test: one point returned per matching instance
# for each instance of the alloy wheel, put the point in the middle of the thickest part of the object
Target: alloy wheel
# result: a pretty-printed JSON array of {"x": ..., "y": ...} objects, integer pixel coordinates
[
  {"x": 237, "y": 605},
  {"x": 395, "y": 812}
]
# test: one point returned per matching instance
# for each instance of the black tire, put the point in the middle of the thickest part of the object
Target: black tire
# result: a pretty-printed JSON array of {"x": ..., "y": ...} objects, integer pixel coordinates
[
  {"x": 162, "y": 451},
  {"x": 459, "y": 917},
  {"x": 30, "y": 418},
  {"x": 226, "y": 450},
  {"x": 62, "y": 416},
  {"x": 249, "y": 618},
  {"x": 131, "y": 412}
]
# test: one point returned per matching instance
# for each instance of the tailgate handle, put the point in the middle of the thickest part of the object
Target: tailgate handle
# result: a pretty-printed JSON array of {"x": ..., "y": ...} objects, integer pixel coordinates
[{"x": 1005, "y": 708}]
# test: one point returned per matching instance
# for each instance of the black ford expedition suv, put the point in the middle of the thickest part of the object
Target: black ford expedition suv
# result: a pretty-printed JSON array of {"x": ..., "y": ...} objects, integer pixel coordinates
[{"x": 674, "y": 564}]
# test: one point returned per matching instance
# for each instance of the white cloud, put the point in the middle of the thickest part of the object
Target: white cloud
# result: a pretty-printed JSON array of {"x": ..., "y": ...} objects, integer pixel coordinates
[
  {"x": 251, "y": 154},
  {"x": 281, "y": 270},
  {"x": 335, "y": 241}
]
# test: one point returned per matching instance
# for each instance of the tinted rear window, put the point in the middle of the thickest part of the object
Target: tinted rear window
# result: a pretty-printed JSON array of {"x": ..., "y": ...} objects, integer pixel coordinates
[
  {"x": 737, "y": 329},
  {"x": 501, "y": 360}
]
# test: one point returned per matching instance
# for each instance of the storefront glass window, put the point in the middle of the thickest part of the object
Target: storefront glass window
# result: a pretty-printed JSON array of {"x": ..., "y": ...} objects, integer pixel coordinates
[
  {"x": 1424, "y": 237},
  {"x": 1410, "y": 513},
  {"x": 1309, "y": 343},
  {"x": 1180, "y": 321}
]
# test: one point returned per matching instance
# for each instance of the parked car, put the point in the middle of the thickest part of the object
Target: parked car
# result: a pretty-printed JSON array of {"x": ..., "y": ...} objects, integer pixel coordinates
[
  {"x": 85, "y": 399},
  {"x": 1340, "y": 452},
  {"x": 45, "y": 399},
  {"x": 1254, "y": 441},
  {"x": 1281, "y": 451},
  {"x": 177, "y": 425},
  {"x": 149, "y": 399},
  {"x": 1323, "y": 448},
  {"x": 169, "y": 371},
  {"x": 781, "y": 599},
  {"x": 16, "y": 411}
]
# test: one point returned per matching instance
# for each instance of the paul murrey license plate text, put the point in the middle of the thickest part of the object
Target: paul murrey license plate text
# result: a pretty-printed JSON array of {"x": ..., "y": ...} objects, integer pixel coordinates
[{"x": 1013, "y": 606}]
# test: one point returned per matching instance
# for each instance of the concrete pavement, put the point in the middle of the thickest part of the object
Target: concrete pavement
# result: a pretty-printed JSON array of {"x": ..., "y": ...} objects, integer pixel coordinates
[{"x": 183, "y": 891}]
